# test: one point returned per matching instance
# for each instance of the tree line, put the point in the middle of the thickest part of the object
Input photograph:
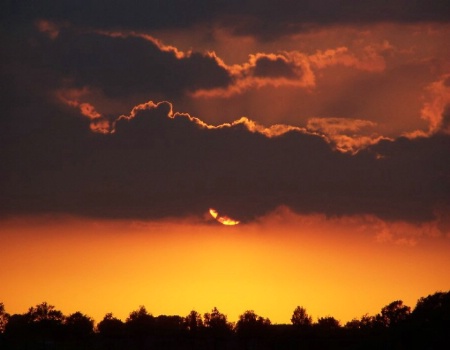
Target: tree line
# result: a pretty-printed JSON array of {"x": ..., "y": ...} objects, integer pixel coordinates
[{"x": 396, "y": 326}]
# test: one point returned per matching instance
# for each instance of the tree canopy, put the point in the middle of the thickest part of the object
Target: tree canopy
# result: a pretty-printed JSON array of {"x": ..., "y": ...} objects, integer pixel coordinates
[{"x": 44, "y": 326}]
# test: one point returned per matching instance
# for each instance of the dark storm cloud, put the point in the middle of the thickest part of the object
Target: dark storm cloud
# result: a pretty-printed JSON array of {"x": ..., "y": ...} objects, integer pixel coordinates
[
  {"x": 41, "y": 63},
  {"x": 269, "y": 19},
  {"x": 155, "y": 165},
  {"x": 122, "y": 65},
  {"x": 158, "y": 164},
  {"x": 263, "y": 18}
]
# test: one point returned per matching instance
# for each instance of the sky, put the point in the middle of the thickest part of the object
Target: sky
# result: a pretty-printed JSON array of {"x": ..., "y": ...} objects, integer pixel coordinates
[{"x": 319, "y": 131}]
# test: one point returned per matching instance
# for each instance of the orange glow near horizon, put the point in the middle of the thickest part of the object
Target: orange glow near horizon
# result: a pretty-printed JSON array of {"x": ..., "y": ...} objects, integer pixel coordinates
[{"x": 330, "y": 266}]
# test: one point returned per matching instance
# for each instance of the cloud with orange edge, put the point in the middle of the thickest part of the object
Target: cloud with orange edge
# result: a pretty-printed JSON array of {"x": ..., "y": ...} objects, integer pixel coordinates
[
  {"x": 434, "y": 110},
  {"x": 295, "y": 68},
  {"x": 348, "y": 135},
  {"x": 98, "y": 123}
]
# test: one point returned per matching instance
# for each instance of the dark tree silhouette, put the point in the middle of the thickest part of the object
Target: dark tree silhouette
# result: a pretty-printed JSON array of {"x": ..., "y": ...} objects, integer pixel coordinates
[
  {"x": 40, "y": 326},
  {"x": 252, "y": 330},
  {"x": 45, "y": 312},
  {"x": 46, "y": 322},
  {"x": 4, "y": 317},
  {"x": 431, "y": 321},
  {"x": 79, "y": 326},
  {"x": 193, "y": 322},
  {"x": 169, "y": 331},
  {"x": 112, "y": 333},
  {"x": 300, "y": 317},
  {"x": 366, "y": 322},
  {"x": 433, "y": 308},
  {"x": 326, "y": 333},
  {"x": 393, "y": 314},
  {"x": 353, "y": 324},
  {"x": 216, "y": 321},
  {"x": 18, "y": 326},
  {"x": 172, "y": 323},
  {"x": 250, "y": 323},
  {"x": 110, "y": 327},
  {"x": 217, "y": 326},
  {"x": 140, "y": 323},
  {"x": 327, "y": 324},
  {"x": 395, "y": 327}
]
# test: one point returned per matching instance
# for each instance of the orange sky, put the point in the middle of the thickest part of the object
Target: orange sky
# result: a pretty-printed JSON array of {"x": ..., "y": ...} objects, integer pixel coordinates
[
  {"x": 343, "y": 267},
  {"x": 323, "y": 129}
]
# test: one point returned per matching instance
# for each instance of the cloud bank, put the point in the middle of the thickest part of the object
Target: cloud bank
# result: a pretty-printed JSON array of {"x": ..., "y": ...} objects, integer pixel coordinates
[
  {"x": 333, "y": 109},
  {"x": 157, "y": 163},
  {"x": 266, "y": 18}
]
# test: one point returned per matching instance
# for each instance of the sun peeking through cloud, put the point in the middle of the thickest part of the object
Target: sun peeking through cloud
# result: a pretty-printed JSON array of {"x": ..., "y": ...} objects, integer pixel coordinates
[{"x": 224, "y": 220}]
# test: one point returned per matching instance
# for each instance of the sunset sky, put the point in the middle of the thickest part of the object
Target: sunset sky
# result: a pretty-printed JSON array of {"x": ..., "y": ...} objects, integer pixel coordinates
[{"x": 321, "y": 127}]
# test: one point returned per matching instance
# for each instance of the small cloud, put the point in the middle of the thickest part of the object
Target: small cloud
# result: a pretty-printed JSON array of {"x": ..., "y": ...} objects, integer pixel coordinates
[
  {"x": 49, "y": 28},
  {"x": 98, "y": 123},
  {"x": 436, "y": 110},
  {"x": 273, "y": 66},
  {"x": 294, "y": 68},
  {"x": 369, "y": 60}
]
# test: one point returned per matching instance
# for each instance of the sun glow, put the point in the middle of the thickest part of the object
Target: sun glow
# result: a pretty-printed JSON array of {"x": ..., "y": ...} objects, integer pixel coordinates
[
  {"x": 225, "y": 220},
  {"x": 331, "y": 266}
]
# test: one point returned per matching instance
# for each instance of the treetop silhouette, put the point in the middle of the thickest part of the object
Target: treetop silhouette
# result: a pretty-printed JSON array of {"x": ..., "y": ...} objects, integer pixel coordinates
[
  {"x": 300, "y": 318},
  {"x": 45, "y": 327}
]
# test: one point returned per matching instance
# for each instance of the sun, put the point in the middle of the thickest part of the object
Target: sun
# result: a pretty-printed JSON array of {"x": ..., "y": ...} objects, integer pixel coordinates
[{"x": 224, "y": 220}]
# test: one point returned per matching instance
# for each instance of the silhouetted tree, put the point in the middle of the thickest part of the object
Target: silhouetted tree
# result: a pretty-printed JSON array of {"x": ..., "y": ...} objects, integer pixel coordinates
[
  {"x": 169, "y": 323},
  {"x": 300, "y": 318},
  {"x": 193, "y": 322},
  {"x": 217, "y": 327},
  {"x": 327, "y": 324},
  {"x": 431, "y": 321},
  {"x": 3, "y": 318},
  {"x": 353, "y": 324},
  {"x": 40, "y": 326},
  {"x": 18, "y": 326},
  {"x": 140, "y": 323},
  {"x": 393, "y": 314},
  {"x": 79, "y": 326},
  {"x": 169, "y": 331},
  {"x": 216, "y": 321},
  {"x": 324, "y": 334},
  {"x": 395, "y": 327},
  {"x": 46, "y": 322},
  {"x": 112, "y": 333},
  {"x": 434, "y": 308},
  {"x": 110, "y": 327},
  {"x": 45, "y": 312},
  {"x": 251, "y": 329},
  {"x": 250, "y": 323},
  {"x": 366, "y": 322}
]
